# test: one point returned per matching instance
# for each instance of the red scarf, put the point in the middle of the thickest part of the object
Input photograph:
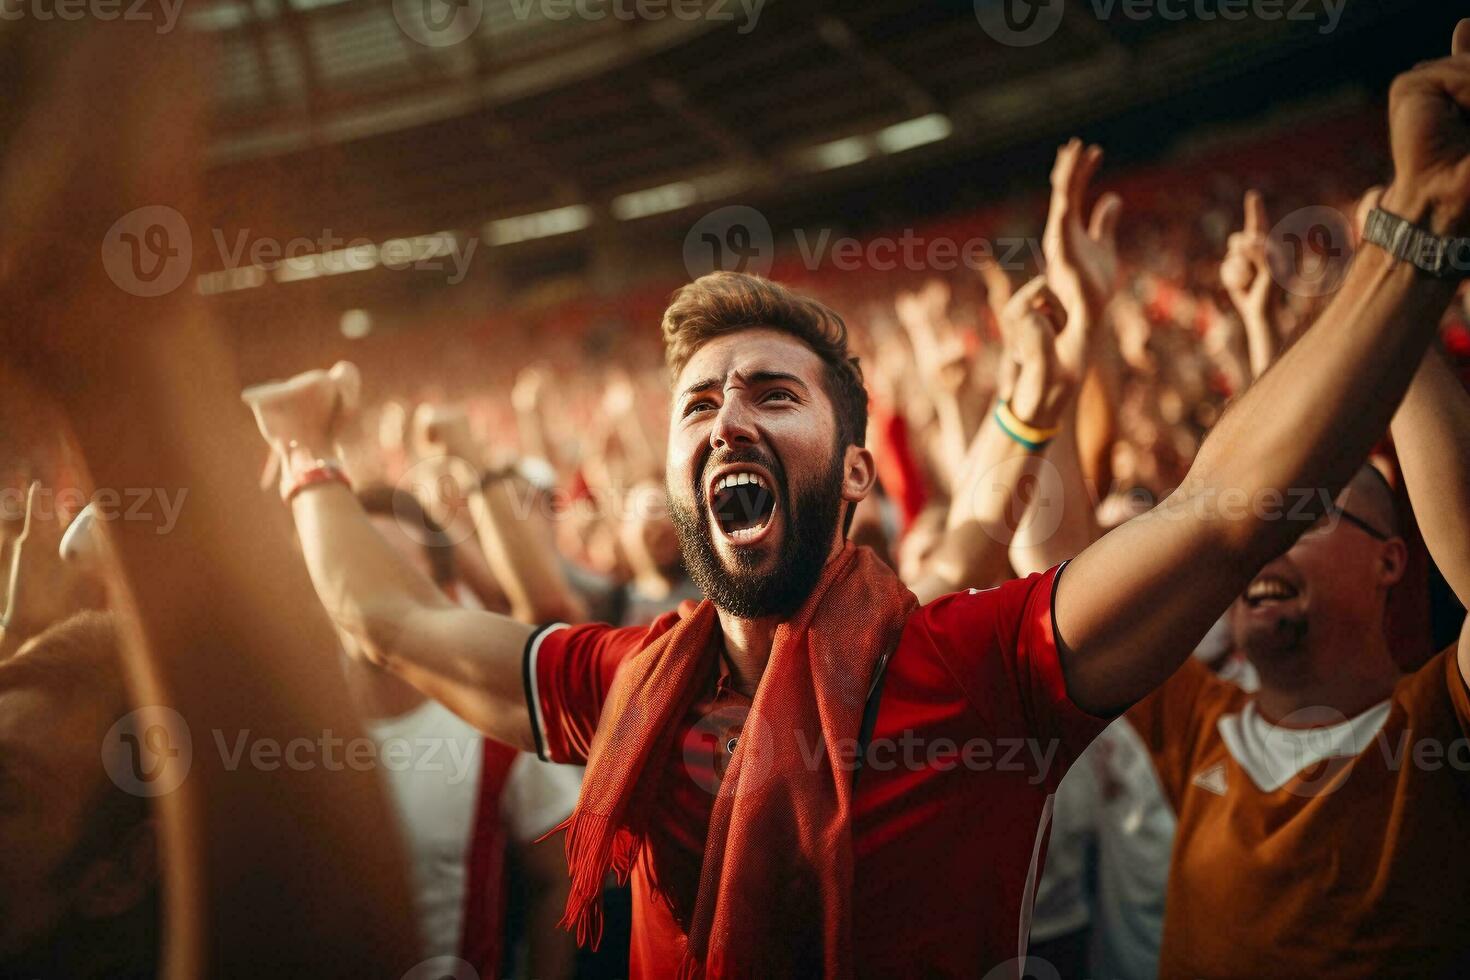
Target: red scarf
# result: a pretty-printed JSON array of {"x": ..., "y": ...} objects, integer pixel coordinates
[{"x": 775, "y": 887}]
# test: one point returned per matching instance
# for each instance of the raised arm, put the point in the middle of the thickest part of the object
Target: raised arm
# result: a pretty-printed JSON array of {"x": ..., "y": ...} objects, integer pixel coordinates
[
  {"x": 468, "y": 659},
  {"x": 1249, "y": 275},
  {"x": 1130, "y": 607},
  {"x": 285, "y": 870},
  {"x": 514, "y": 537},
  {"x": 998, "y": 475},
  {"x": 1431, "y": 432},
  {"x": 39, "y": 589},
  {"x": 1081, "y": 269}
]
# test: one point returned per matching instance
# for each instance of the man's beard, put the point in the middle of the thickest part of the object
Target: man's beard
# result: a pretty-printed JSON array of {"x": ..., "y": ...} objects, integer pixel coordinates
[{"x": 748, "y": 591}]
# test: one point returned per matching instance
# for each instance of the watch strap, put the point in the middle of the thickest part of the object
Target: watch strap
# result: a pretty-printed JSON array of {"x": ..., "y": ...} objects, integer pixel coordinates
[{"x": 1434, "y": 255}]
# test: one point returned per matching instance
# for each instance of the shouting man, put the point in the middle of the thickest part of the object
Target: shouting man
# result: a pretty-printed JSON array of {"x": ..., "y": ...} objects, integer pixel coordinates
[{"x": 810, "y": 771}]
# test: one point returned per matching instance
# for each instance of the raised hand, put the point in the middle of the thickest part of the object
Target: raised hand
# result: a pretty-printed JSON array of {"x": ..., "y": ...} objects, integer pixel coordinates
[
  {"x": 40, "y": 585},
  {"x": 1429, "y": 131},
  {"x": 1251, "y": 273},
  {"x": 308, "y": 409},
  {"x": 526, "y": 394},
  {"x": 444, "y": 429},
  {"x": 938, "y": 350},
  {"x": 1081, "y": 259},
  {"x": 1032, "y": 377},
  {"x": 1251, "y": 258}
]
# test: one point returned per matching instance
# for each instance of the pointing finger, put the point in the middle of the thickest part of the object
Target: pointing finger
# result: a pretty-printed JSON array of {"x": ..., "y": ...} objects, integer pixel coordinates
[{"x": 1255, "y": 213}]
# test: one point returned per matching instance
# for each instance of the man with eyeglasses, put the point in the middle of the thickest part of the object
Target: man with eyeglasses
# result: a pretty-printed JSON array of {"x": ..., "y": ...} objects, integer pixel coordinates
[{"x": 1317, "y": 816}]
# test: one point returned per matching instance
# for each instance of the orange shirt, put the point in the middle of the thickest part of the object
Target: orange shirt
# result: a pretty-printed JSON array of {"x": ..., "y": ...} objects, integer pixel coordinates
[{"x": 1357, "y": 865}]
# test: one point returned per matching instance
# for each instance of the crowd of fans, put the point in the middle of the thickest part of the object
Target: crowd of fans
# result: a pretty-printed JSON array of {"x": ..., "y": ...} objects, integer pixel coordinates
[{"x": 546, "y": 502}]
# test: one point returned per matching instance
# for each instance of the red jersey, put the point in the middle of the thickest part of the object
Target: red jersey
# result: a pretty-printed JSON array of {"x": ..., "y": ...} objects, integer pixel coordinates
[{"x": 974, "y": 731}]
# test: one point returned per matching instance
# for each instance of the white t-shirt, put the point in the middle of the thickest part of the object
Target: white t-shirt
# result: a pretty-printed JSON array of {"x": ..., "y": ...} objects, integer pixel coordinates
[
  {"x": 1111, "y": 807},
  {"x": 432, "y": 761},
  {"x": 1110, "y": 803}
]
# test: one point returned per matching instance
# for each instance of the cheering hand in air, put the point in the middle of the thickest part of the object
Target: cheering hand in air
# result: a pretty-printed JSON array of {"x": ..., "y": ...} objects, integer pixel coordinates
[
  {"x": 308, "y": 409},
  {"x": 1250, "y": 273},
  {"x": 1429, "y": 131},
  {"x": 1033, "y": 378},
  {"x": 40, "y": 586},
  {"x": 1081, "y": 259}
]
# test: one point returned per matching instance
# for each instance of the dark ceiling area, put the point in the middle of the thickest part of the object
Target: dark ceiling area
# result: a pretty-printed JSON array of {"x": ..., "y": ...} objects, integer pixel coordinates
[{"x": 568, "y": 135}]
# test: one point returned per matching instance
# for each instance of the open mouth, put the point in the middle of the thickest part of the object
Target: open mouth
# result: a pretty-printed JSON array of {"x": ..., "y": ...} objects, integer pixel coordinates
[
  {"x": 744, "y": 505},
  {"x": 1268, "y": 589}
]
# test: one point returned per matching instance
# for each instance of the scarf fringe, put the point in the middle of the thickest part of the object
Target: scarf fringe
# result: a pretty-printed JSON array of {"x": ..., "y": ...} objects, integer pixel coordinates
[
  {"x": 690, "y": 968},
  {"x": 589, "y": 858}
]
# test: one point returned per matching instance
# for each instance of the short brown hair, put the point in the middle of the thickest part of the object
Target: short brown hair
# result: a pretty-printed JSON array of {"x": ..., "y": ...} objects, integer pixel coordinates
[{"x": 724, "y": 302}]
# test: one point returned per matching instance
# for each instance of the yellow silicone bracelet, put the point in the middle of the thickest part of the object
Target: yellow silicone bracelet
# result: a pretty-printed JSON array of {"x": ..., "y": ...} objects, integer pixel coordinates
[{"x": 1016, "y": 427}]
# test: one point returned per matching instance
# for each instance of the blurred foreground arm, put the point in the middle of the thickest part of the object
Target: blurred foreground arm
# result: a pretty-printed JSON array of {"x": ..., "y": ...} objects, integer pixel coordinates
[{"x": 279, "y": 870}]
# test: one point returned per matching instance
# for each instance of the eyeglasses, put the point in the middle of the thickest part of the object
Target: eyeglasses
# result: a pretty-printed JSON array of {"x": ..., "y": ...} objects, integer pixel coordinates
[{"x": 1322, "y": 526}]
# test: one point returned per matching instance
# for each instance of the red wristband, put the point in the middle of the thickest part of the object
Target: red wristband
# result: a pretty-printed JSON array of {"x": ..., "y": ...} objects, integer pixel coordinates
[{"x": 322, "y": 471}]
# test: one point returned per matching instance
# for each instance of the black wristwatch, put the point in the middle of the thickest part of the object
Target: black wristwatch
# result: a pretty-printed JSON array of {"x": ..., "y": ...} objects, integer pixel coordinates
[{"x": 1442, "y": 258}]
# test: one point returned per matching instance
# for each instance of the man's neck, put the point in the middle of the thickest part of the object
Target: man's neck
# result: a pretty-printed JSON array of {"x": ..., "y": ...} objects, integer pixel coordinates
[
  {"x": 1297, "y": 686},
  {"x": 747, "y": 648},
  {"x": 748, "y": 641}
]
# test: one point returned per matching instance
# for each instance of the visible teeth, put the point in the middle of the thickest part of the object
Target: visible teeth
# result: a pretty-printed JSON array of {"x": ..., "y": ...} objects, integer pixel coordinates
[
  {"x": 1270, "y": 589},
  {"x": 738, "y": 480}
]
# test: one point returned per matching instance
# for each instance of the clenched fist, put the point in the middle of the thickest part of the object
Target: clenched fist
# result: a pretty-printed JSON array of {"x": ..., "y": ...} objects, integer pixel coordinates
[
  {"x": 1429, "y": 129},
  {"x": 306, "y": 409}
]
